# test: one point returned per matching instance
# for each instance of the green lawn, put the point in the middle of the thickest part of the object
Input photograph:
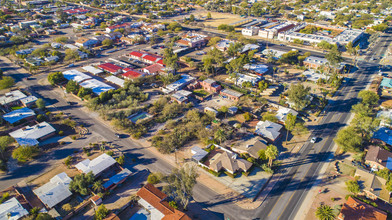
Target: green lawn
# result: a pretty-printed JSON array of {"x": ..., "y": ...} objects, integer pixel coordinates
[
  {"x": 16, "y": 107},
  {"x": 347, "y": 169},
  {"x": 200, "y": 93}
]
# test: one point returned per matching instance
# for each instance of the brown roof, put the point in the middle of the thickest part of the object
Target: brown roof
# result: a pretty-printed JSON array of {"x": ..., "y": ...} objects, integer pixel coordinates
[
  {"x": 376, "y": 154},
  {"x": 156, "y": 198},
  {"x": 229, "y": 162},
  {"x": 112, "y": 216},
  {"x": 82, "y": 40},
  {"x": 354, "y": 209}
]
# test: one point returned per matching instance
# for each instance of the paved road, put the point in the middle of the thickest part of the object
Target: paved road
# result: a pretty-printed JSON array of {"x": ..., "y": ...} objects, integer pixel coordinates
[
  {"x": 300, "y": 174},
  {"x": 144, "y": 157}
]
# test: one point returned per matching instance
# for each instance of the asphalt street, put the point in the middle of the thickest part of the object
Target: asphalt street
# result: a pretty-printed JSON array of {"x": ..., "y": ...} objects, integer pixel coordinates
[{"x": 301, "y": 173}]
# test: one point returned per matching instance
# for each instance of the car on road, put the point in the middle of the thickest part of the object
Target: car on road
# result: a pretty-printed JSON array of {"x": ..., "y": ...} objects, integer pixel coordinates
[
  {"x": 117, "y": 135},
  {"x": 313, "y": 140},
  {"x": 281, "y": 44}
]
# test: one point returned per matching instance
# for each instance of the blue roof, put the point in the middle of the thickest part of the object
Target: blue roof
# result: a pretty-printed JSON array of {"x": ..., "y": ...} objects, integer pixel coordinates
[
  {"x": 18, "y": 115},
  {"x": 383, "y": 134},
  {"x": 117, "y": 178},
  {"x": 386, "y": 82},
  {"x": 27, "y": 141},
  {"x": 389, "y": 163}
]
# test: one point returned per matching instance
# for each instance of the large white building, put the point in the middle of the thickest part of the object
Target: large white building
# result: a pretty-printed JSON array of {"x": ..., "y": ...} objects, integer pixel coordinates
[{"x": 250, "y": 31}]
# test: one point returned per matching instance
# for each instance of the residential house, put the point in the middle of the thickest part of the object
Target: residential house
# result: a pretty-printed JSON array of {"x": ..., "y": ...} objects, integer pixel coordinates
[
  {"x": 250, "y": 144},
  {"x": 19, "y": 115},
  {"x": 12, "y": 98},
  {"x": 386, "y": 84},
  {"x": 97, "y": 86},
  {"x": 28, "y": 101},
  {"x": 228, "y": 161},
  {"x": 11, "y": 209},
  {"x": 153, "y": 69},
  {"x": 383, "y": 135},
  {"x": 132, "y": 74},
  {"x": 155, "y": 201},
  {"x": 115, "y": 80},
  {"x": 282, "y": 113},
  {"x": 224, "y": 44},
  {"x": 76, "y": 11},
  {"x": 116, "y": 27},
  {"x": 373, "y": 186},
  {"x": 52, "y": 59},
  {"x": 193, "y": 40},
  {"x": 85, "y": 42},
  {"x": 198, "y": 154},
  {"x": 150, "y": 58},
  {"x": 211, "y": 85},
  {"x": 249, "y": 47},
  {"x": 269, "y": 130},
  {"x": 34, "y": 61},
  {"x": 27, "y": 24},
  {"x": 97, "y": 165},
  {"x": 209, "y": 109},
  {"x": 179, "y": 84},
  {"x": 55, "y": 191},
  {"x": 258, "y": 69},
  {"x": 117, "y": 179},
  {"x": 75, "y": 75},
  {"x": 111, "y": 68},
  {"x": 32, "y": 135},
  {"x": 378, "y": 158},
  {"x": 181, "y": 96},
  {"x": 137, "y": 55},
  {"x": 231, "y": 94},
  {"x": 354, "y": 209}
]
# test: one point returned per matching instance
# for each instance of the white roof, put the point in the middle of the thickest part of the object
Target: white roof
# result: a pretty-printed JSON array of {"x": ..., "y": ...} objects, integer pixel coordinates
[
  {"x": 13, "y": 207},
  {"x": 55, "y": 191},
  {"x": 268, "y": 129},
  {"x": 18, "y": 115},
  {"x": 92, "y": 70},
  {"x": 282, "y": 113},
  {"x": 11, "y": 97},
  {"x": 75, "y": 75},
  {"x": 97, "y": 165},
  {"x": 30, "y": 135},
  {"x": 97, "y": 86},
  {"x": 198, "y": 153},
  {"x": 211, "y": 110},
  {"x": 115, "y": 80},
  {"x": 28, "y": 99},
  {"x": 185, "y": 80}
]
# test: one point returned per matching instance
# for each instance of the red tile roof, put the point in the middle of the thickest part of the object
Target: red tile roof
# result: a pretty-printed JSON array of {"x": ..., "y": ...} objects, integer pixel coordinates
[
  {"x": 156, "y": 198},
  {"x": 136, "y": 54},
  {"x": 154, "y": 68},
  {"x": 161, "y": 62},
  {"x": 110, "y": 67},
  {"x": 150, "y": 58},
  {"x": 76, "y": 11},
  {"x": 132, "y": 74},
  {"x": 354, "y": 209},
  {"x": 118, "y": 26}
]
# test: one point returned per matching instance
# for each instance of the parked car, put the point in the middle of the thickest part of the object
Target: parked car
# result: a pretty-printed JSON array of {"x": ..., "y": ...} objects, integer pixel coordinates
[{"x": 313, "y": 140}]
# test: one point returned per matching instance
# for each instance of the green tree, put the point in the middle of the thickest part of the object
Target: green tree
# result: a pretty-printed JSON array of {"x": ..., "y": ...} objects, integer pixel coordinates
[
  {"x": 6, "y": 82},
  {"x": 83, "y": 92},
  {"x": 24, "y": 153},
  {"x": 72, "y": 87},
  {"x": 40, "y": 103},
  {"x": 349, "y": 140},
  {"x": 325, "y": 212},
  {"x": 224, "y": 110},
  {"x": 268, "y": 116},
  {"x": 81, "y": 182},
  {"x": 170, "y": 59},
  {"x": 191, "y": 18},
  {"x": 61, "y": 40},
  {"x": 365, "y": 125},
  {"x": 5, "y": 142},
  {"x": 262, "y": 155},
  {"x": 263, "y": 85},
  {"x": 368, "y": 97},
  {"x": 247, "y": 116},
  {"x": 213, "y": 41},
  {"x": 361, "y": 110},
  {"x": 101, "y": 213},
  {"x": 71, "y": 55},
  {"x": 290, "y": 123},
  {"x": 44, "y": 216},
  {"x": 298, "y": 94},
  {"x": 220, "y": 135},
  {"x": 353, "y": 186},
  {"x": 271, "y": 153},
  {"x": 180, "y": 184},
  {"x": 153, "y": 178},
  {"x": 107, "y": 42},
  {"x": 334, "y": 57},
  {"x": 209, "y": 15},
  {"x": 56, "y": 78},
  {"x": 97, "y": 186}
]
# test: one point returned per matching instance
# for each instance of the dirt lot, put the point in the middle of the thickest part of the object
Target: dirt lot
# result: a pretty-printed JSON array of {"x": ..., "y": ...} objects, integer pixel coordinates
[
  {"x": 41, "y": 180},
  {"x": 219, "y": 18}
]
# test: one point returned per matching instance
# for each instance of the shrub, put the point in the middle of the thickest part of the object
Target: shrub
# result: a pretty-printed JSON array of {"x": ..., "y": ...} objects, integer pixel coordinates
[
  {"x": 110, "y": 153},
  {"x": 333, "y": 199},
  {"x": 67, "y": 207},
  {"x": 173, "y": 204},
  {"x": 120, "y": 159},
  {"x": 153, "y": 178},
  {"x": 24, "y": 153},
  {"x": 4, "y": 197},
  {"x": 61, "y": 133},
  {"x": 68, "y": 161},
  {"x": 74, "y": 137}
]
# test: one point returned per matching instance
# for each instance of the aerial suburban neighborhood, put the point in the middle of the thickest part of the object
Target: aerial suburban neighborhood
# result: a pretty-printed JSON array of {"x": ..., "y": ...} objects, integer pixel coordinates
[{"x": 204, "y": 109}]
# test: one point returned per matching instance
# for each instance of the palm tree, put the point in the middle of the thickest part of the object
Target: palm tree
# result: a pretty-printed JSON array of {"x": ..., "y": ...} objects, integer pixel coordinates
[
  {"x": 325, "y": 212},
  {"x": 220, "y": 135},
  {"x": 271, "y": 153},
  {"x": 97, "y": 186}
]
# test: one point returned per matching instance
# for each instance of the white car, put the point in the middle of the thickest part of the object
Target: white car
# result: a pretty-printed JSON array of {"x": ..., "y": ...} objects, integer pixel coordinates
[{"x": 313, "y": 140}]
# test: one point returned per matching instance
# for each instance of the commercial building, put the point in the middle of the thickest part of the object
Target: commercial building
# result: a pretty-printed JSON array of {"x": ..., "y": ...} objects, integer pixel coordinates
[
  {"x": 32, "y": 135},
  {"x": 115, "y": 80},
  {"x": 193, "y": 40},
  {"x": 313, "y": 62},
  {"x": 75, "y": 75},
  {"x": 272, "y": 30},
  {"x": 250, "y": 31},
  {"x": 211, "y": 85},
  {"x": 111, "y": 68}
]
